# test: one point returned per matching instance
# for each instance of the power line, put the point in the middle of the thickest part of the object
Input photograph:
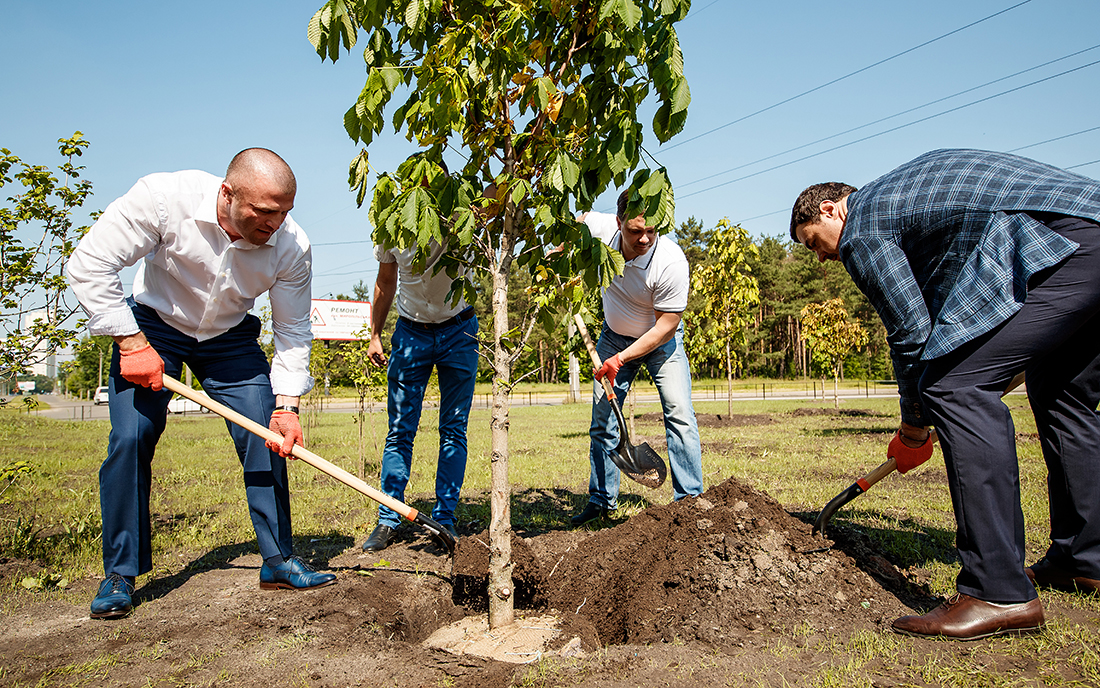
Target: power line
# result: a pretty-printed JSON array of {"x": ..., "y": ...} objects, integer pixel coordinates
[
  {"x": 846, "y": 76},
  {"x": 883, "y": 119},
  {"x": 891, "y": 130},
  {"x": 1030, "y": 145},
  {"x": 1084, "y": 164},
  {"x": 342, "y": 243},
  {"x": 1057, "y": 138}
]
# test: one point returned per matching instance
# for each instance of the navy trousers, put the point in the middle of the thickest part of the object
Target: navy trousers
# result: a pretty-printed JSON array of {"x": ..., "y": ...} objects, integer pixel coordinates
[
  {"x": 1055, "y": 339},
  {"x": 234, "y": 371}
]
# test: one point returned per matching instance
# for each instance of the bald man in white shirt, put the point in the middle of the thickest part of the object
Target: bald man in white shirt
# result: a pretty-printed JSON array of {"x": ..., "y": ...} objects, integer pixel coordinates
[
  {"x": 208, "y": 247},
  {"x": 642, "y": 325}
]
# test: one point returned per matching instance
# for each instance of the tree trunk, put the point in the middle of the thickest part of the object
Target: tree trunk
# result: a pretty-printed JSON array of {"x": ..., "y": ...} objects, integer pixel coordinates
[
  {"x": 729, "y": 372},
  {"x": 501, "y": 599},
  {"x": 836, "y": 396}
]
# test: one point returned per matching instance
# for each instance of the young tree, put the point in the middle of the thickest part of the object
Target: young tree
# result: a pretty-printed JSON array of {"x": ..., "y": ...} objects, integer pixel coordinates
[
  {"x": 542, "y": 97},
  {"x": 37, "y": 237},
  {"x": 729, "y": 296},
  {"x": 831, "y": 334}
]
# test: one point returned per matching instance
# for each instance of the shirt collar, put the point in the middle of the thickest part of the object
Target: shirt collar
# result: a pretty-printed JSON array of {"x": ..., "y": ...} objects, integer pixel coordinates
[{"x": 641, "y": 262}]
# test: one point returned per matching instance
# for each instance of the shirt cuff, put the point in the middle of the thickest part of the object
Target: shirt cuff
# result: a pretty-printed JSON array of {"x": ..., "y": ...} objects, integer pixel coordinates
[
  {"x": 290, "y": 384},
  {"x": 113, "y": 324}
]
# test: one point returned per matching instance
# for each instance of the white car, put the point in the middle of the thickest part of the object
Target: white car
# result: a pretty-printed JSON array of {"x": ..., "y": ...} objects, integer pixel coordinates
[
  {"x": 100, "y": 396},
  {"x": 184, "y": 405}
]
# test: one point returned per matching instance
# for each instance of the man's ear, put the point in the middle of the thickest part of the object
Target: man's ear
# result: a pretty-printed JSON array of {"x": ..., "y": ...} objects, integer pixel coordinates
[{"x": 830, "y": 209}]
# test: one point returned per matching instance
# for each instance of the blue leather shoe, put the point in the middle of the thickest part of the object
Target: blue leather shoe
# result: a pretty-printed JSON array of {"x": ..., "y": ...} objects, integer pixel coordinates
[
  {"x": 293, "y": 574},
  {"x": 113, "y": 599}
]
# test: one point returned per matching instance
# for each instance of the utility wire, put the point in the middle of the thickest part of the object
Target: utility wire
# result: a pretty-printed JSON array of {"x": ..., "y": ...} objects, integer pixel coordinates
[
  {"x": 1084, "y": 164},
  {"x": 897, "y": 114},
  {"x": 1057, "y": 138},
  {"x": 342, "y": 243},
  {"x": 846, "y": 76},
  {"x": 891, "y": 130},
  {"x": 1030, "y": 145}
]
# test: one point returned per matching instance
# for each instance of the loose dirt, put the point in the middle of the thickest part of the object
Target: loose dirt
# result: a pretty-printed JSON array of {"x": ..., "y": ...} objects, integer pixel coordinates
[
  {"x": 718, "y": 573},
  {"x": 727, "y": 589}
]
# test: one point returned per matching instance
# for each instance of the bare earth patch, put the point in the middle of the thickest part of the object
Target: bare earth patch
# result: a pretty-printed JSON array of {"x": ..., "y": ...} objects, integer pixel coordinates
[{"x": 701, "y": 591}]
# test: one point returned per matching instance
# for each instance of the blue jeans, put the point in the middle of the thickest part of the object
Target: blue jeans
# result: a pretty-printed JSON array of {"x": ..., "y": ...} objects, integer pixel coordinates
[
  {"x": 416, "y": 349},
  {"x": 668, "y": 366},
  {"x": 233, "y": 370}
]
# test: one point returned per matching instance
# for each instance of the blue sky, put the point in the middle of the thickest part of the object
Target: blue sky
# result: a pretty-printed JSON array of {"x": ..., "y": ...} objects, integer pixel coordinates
[{"x": 168, "y": 86}]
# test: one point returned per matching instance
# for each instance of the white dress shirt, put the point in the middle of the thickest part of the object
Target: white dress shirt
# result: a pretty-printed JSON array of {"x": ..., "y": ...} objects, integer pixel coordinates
[
  {"x": 197, "y": 279},
  {"x": 657, "y": 280}
]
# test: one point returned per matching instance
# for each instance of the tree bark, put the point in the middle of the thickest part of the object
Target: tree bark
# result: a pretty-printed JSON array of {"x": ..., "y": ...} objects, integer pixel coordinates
[{"x": 501, "y": 599}]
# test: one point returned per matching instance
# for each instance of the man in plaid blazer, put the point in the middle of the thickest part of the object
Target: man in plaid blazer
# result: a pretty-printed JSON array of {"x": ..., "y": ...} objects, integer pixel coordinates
[{"x": 983, "y": 265}]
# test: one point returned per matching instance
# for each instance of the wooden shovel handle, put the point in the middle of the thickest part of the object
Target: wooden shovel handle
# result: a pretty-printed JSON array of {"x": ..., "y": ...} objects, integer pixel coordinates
[
  {"x": 298, "y": 452},
  {"x": 588, "y": 344}
]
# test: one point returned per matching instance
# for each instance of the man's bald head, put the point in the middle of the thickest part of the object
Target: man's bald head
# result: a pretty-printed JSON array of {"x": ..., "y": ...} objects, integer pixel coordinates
[{"x": 259, "y": 165}]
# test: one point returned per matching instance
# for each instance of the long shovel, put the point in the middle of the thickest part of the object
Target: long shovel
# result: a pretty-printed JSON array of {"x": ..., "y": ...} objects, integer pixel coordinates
[
  {"x": 317, "y": 462},
  {"x": 885, "y": 468},
  {"x": 641, "y": 463}
]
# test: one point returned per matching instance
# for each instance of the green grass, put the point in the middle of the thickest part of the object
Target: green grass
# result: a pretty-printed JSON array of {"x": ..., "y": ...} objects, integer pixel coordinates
[{"x": 50, "y": 516}]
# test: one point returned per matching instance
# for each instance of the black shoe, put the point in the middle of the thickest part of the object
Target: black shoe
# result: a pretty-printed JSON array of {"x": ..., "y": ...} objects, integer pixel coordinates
[
  {"x": 113, "y": 599},
  {"x": 591, "y": 512},
  {"x": 379, "y": 538},
  {"x": 293, "y": 574},
  {"x": 450, "y": 528}
]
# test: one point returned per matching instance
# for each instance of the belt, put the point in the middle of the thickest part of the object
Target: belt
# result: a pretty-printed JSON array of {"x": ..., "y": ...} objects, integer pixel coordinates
[{"x": 455, "y": 320}]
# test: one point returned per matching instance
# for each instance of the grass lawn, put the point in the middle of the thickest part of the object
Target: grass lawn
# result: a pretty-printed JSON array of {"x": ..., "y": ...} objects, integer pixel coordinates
[{"x": 793, "y": 450}]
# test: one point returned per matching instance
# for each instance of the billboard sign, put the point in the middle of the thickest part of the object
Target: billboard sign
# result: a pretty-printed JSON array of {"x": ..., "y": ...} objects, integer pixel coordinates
[{"x": 338, "y": 319}]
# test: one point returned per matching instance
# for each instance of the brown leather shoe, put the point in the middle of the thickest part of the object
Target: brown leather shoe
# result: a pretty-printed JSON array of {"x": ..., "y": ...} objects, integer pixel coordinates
[
  {"x": 1045, "y": 574},
  {"x": 962, "y": 617}
]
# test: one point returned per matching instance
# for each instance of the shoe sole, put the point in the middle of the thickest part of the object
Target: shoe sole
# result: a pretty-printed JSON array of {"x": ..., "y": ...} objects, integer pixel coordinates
[
  {"x": 288, "y": 586},
  {"x": 1031, "y": 630},
  {"x": 113, "y": 614},
  {"x": 375, "y": 549}
]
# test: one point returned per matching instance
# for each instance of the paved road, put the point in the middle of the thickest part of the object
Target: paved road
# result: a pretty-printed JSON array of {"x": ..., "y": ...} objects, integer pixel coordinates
[{"x": 75, "y": 409}]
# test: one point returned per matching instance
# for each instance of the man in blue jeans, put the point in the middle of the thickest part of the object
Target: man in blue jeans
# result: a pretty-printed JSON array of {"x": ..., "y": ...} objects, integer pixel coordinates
[
  {"x": 642, "y": 309},
  {"x": 430, "y": 333},
  {"x": 208, "y": 247}
]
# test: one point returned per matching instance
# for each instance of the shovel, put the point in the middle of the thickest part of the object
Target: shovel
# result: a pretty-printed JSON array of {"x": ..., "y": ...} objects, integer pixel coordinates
[
  {"x": 886, "y": 468},
  {"x": 640, "y": 462},
  {"x": 439, "y": 532}
]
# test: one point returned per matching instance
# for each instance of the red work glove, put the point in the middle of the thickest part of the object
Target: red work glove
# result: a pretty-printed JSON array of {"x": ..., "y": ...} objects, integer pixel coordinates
[
  {"x": 142, "y": 367},
  {"x": 610, "y": 368},
  {"x": 907, "y": 457},
  {"x": 286, "y": 424}
]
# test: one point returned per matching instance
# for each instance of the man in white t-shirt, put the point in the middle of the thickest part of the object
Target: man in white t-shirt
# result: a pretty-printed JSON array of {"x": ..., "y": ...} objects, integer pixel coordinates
[
  {"x": 642, "y": 309},
  {"x": 430, "y": 332}
]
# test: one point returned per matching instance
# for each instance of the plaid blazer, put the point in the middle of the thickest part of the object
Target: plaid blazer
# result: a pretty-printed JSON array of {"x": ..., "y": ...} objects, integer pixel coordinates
[{"x": 943, "y": 247}]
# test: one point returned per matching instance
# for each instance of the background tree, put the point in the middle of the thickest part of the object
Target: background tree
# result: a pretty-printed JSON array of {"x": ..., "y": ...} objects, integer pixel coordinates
[
  {"x": 542, "y": 97},
  {"x": 37, "y": 236},
  {"x": 728, "y": 294},
  {"x": 370, "y": 387},
  {"x": 830, "y": 333}
]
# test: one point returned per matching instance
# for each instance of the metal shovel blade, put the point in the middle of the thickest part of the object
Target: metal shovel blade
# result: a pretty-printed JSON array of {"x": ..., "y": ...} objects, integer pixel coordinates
[{"x": 641, "y": 463}]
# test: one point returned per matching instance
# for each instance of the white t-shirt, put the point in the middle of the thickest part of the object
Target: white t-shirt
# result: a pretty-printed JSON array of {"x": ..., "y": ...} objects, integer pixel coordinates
[
  {"x": 421, "y": 296},
  {"x": 655, "y": 281}
]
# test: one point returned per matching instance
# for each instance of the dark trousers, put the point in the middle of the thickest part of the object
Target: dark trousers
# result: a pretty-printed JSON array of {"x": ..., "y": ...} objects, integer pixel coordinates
[
  {"x": 1055, "y": 339},
  {"x": 234, "y": 371}
]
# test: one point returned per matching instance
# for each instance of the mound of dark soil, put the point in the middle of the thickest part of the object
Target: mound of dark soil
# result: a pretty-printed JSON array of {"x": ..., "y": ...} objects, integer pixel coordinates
[{"x": 714, "y": 568}]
